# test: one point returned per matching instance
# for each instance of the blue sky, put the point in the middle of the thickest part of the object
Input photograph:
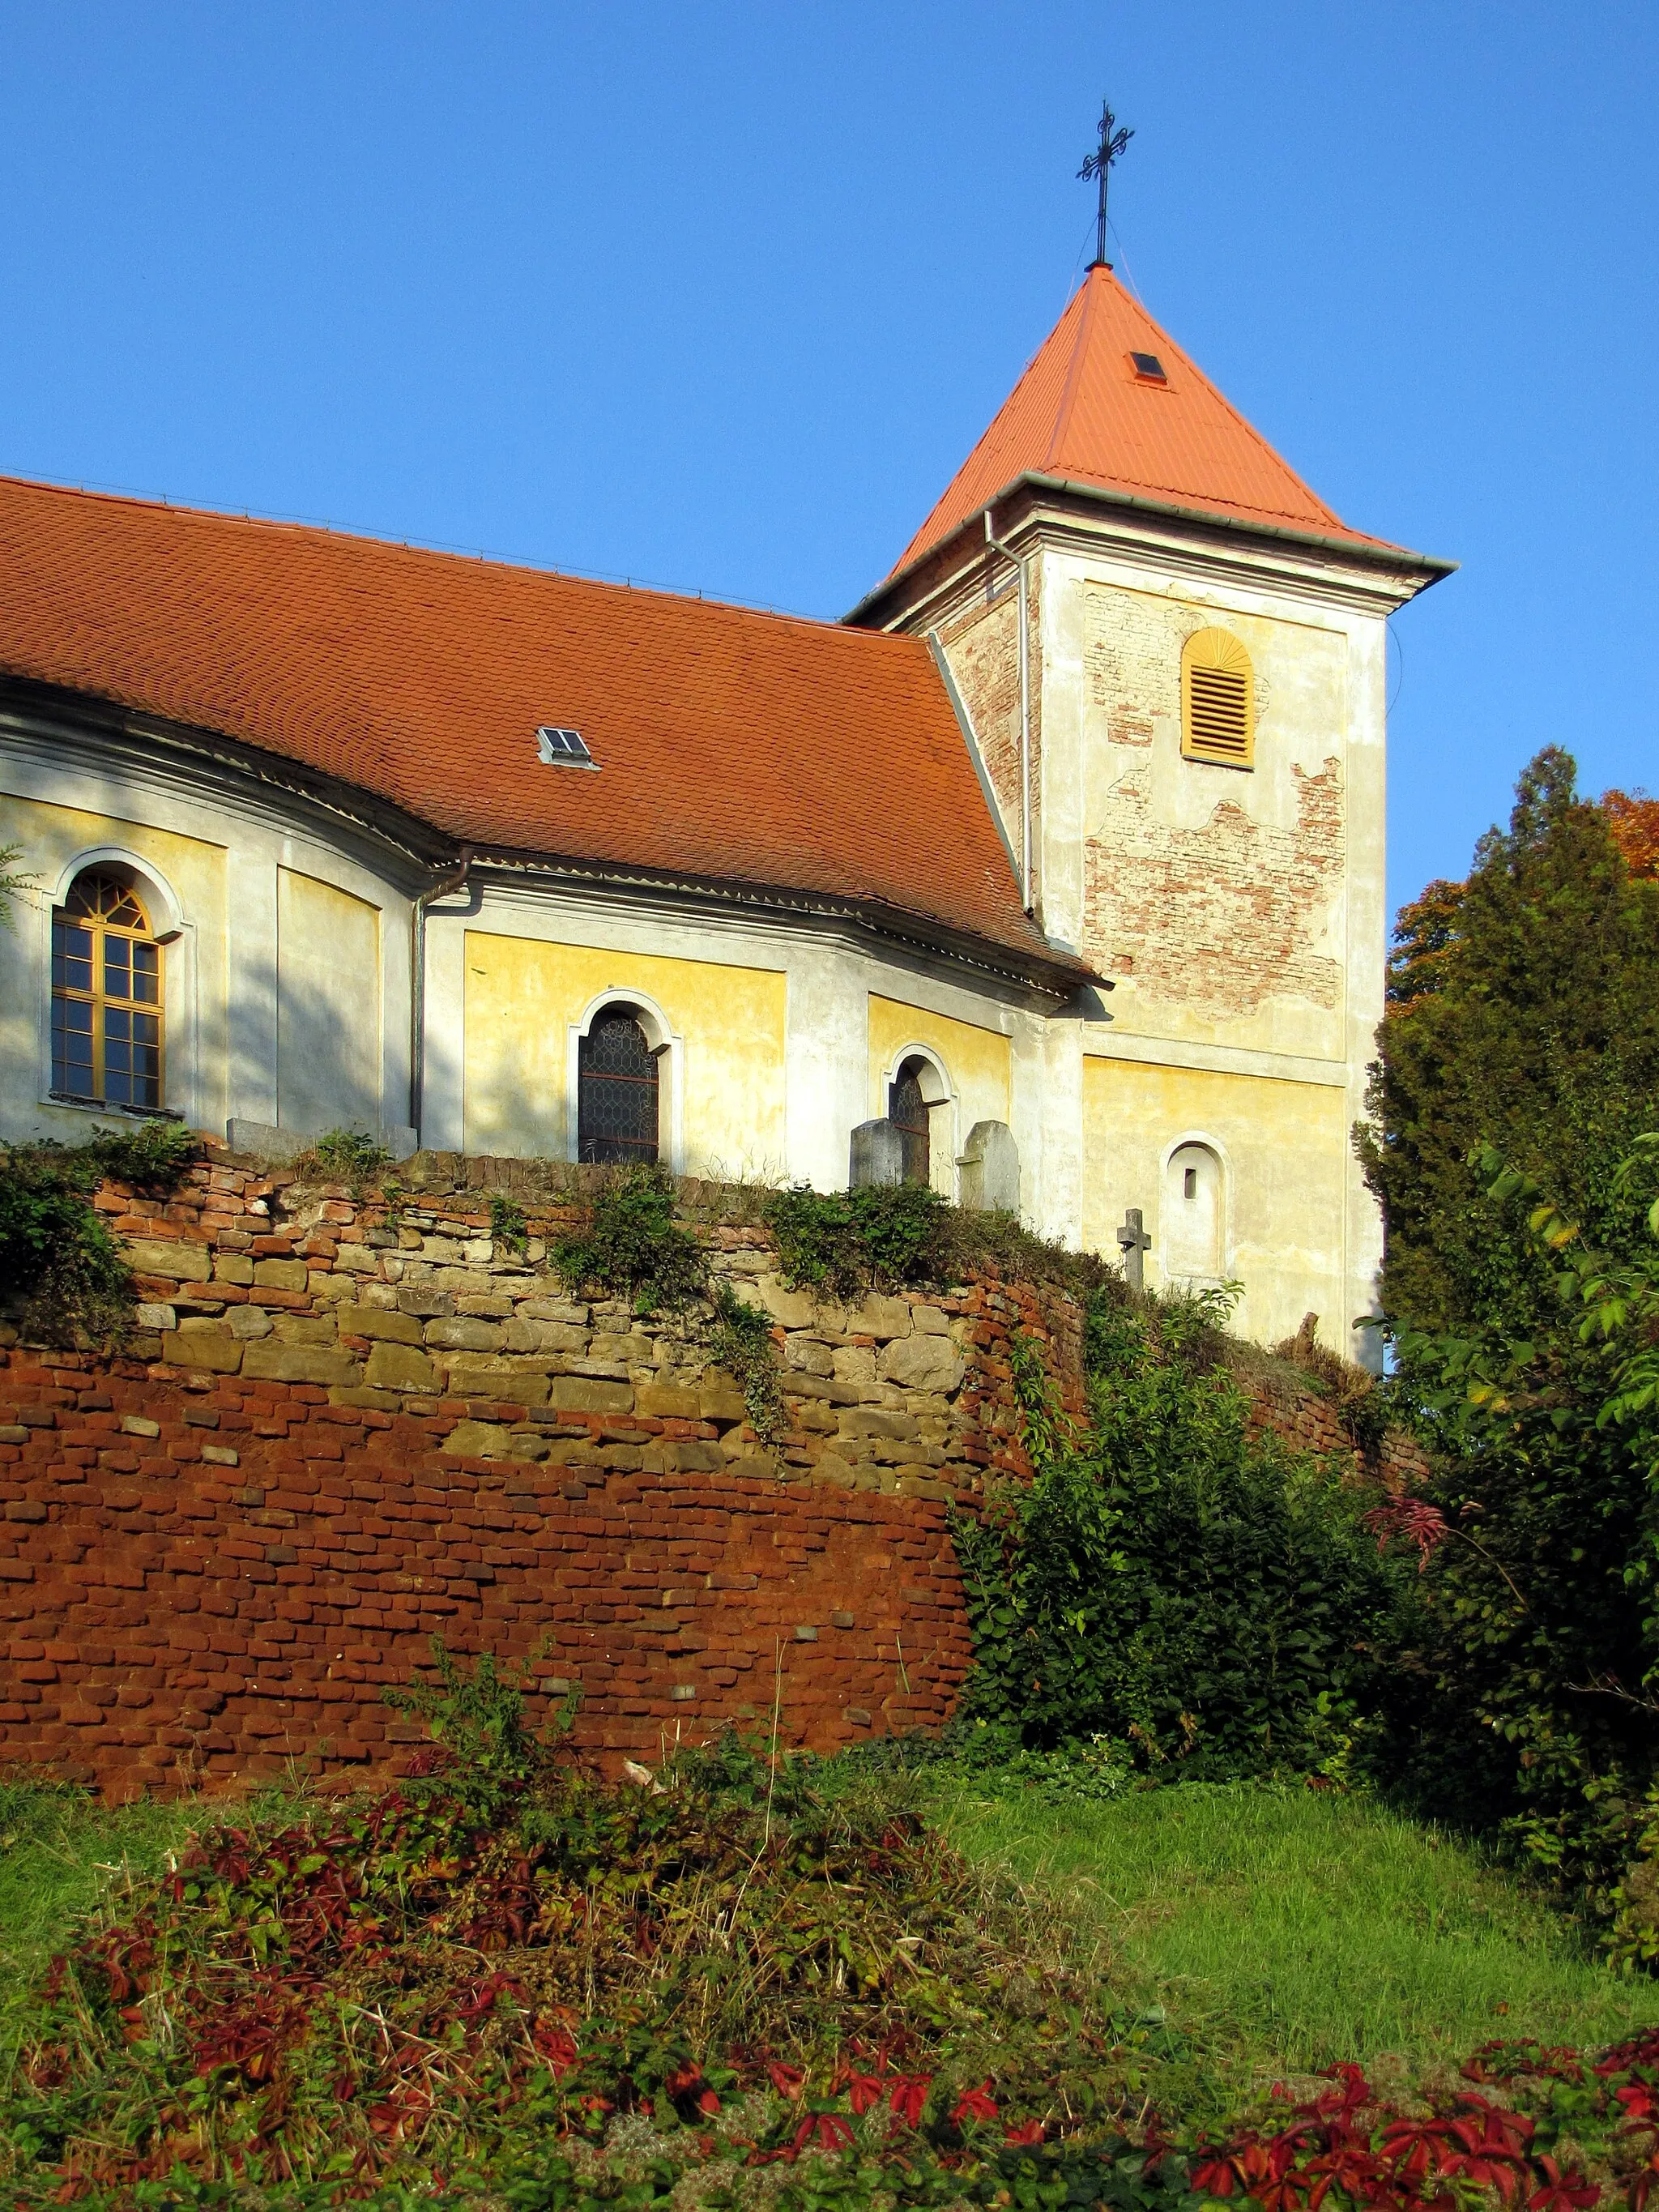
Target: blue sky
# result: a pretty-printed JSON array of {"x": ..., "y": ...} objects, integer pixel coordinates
[{"x": 719, "y": 296}]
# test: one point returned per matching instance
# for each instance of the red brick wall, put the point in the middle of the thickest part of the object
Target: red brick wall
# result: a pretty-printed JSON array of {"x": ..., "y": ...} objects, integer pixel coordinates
[
  {"x": 205, "y": 1579},
  {"x": 216, "y": 1552}
]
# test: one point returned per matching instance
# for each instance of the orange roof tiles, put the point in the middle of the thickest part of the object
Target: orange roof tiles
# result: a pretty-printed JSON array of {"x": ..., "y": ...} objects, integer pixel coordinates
[
  {"x": 749, "y": 748},
  {"x": 1080, "y": 411}
]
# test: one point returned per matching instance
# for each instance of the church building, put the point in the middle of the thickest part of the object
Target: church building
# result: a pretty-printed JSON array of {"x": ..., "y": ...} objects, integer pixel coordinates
[{"x": 1052, "y": 876}]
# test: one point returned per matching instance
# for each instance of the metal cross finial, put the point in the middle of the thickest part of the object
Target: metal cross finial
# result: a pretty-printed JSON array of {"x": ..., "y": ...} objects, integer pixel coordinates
[
  {"x": 1099, "y": 164},
  {"x": 1134, "y": 1244}
]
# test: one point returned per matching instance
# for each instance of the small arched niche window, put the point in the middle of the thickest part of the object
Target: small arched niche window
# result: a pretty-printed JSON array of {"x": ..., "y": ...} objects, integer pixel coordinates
[
  {"x": 617, "y": 1090},
  {"x": 1192, "y": 1215},
  {"x": 907, "y": 1110},
  {"x": 1218, "y": 700},
  {"x": 106, "y": 998}
]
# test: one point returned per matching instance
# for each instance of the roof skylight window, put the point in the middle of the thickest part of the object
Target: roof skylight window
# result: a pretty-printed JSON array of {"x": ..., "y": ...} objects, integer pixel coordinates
[
  {"x": 1148, "y": 367},
  {"x": 563, "y": 748}
]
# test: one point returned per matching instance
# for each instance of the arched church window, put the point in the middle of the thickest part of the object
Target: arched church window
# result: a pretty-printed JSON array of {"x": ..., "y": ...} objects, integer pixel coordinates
[
  {"x": 907, "y": 1110},
  {"x": 1192, "y": 1216},
  {"x": 617, "y": 1090},
  {"x": 1218, "y": 700},
  {"x": 106, "y": 995}
]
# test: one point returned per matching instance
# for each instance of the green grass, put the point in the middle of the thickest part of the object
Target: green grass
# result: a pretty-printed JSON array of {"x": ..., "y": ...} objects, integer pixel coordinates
[
  {"x": 62, "y": 1855},
  {"x": 1282, "y": 1929}
]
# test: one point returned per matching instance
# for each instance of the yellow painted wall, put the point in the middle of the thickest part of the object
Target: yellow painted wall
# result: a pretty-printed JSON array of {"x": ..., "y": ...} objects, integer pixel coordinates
[
  {"x": 328, "y": 1007},
  {"x": 1286, "y": 1148},
  {"x": 522, "y": 995},
  {"x": 50, "y": 838},
  {"x": 979, "y": 1061}
]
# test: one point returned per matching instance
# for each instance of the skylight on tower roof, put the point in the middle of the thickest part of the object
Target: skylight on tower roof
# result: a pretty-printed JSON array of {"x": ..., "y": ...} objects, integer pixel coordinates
[
  {"x": 563, "y": 748},
  {"x": 1149, "y": 367}
]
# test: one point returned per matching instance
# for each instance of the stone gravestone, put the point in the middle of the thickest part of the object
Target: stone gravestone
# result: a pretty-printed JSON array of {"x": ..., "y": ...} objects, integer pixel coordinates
[
  {"x": 877, "y": 1154},
  {"x": 990, "y": 1169}
]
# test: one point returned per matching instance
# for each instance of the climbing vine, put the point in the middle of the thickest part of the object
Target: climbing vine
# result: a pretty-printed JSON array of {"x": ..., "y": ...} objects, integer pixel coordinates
[{"x": 741, "y": 1341}]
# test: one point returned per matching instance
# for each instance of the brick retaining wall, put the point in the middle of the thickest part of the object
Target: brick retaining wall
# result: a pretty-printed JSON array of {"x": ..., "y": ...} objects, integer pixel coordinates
[{"x": 339, "y": 1431}]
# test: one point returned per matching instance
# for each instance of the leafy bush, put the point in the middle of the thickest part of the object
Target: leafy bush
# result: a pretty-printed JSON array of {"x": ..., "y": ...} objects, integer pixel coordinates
[
  {"x": 1166, "y": 1583},
  {"x": 881, "y": 1237},
  {"x": 476, "y": 1716},
  {"x": 633, "y": 1247},
  {"x": 1527, "y": 1690},
  {"x": 58, "y": 1262}
]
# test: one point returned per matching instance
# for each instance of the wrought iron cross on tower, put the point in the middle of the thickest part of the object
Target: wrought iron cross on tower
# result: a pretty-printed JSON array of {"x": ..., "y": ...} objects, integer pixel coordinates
[
  {"x": 1099, "y": 164},
  {"x": 1135, "y": 1244}
]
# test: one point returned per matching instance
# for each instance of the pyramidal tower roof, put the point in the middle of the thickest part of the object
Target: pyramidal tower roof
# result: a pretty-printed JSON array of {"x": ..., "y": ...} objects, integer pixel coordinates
[{"x": 1085, "y": 413}]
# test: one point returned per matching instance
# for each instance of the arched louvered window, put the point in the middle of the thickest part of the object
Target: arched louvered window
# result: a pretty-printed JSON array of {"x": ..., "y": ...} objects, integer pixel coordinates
[
  {"x": 106, "y": 1002},
  {"x": 907, "y": 1110},
  {"x": 1218, "y": 700},
  {"x": 617, "y": 1090}
]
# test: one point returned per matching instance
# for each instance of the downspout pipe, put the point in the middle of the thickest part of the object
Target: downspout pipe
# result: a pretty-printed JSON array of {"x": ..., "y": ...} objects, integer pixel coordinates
[
  {"x": 997, "y": 545},
  {"x": 455, "y": 881}
]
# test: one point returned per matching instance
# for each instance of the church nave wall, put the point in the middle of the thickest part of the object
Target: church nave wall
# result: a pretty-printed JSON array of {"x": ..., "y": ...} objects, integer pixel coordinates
[
  {"x": 282, "y": 948},
  {"x": 527, "y": 1002}
]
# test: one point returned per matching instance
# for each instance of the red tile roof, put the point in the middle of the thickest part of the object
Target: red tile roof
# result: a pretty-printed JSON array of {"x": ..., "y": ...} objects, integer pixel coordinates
[
  {"x": 744, "y": 747},
  {"x": 1081, "y": 412}
]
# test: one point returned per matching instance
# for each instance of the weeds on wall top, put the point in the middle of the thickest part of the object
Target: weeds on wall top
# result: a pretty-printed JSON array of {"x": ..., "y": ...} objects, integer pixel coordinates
[
  {"x": 58, "y": 1262},
  {"x": 348, "y": 1156},
  {"x": 507, "y": 1224},
  {"x": 842, "y": 1244},
  {"x": 889, "y": 1236},
  {"x": 633, "y": 1247}
]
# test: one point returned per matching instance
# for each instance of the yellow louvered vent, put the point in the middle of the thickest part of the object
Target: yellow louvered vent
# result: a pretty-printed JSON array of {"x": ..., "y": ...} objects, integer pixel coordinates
[{"x": 1218, "y": 700}]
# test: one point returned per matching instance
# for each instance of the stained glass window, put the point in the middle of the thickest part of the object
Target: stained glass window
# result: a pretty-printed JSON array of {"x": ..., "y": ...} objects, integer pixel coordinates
[
  {"x": 105, "y": 996},
  {"x": 616, "y": 1087}
]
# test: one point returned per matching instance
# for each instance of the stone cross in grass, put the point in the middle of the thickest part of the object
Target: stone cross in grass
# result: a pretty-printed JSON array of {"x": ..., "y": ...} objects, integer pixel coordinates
[{"x": 1134, "y": 1244}]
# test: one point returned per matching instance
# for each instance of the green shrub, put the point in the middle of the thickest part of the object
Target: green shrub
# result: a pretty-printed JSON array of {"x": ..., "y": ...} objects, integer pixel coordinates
[
  {"x": 1166, "y": 1583},
  {"x": 1526, "y": 1699},
  {"x": 475, "y": 1715},
  {"x": 633, "y": 1247},
  {"x": 58, "y": 1260},
  {"x": 843, "y": 1243}
]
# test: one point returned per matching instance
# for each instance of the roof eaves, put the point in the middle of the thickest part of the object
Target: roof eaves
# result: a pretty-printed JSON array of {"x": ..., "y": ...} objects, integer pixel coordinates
[
  {"x": 1372, "y": 551},
  {"x": 1052, "y": 968},
  {"x": 422, "y": 843}
]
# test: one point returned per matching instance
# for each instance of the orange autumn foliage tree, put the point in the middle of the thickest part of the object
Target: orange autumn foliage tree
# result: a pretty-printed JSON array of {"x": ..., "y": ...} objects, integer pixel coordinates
[
  {"x": 1425, "y": 929},
  {"x": 1633, "y": 818}
]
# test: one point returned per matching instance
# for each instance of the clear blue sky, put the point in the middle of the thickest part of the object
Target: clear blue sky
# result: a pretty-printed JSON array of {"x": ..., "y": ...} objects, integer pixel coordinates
[{"x": 719, "y": 295}]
